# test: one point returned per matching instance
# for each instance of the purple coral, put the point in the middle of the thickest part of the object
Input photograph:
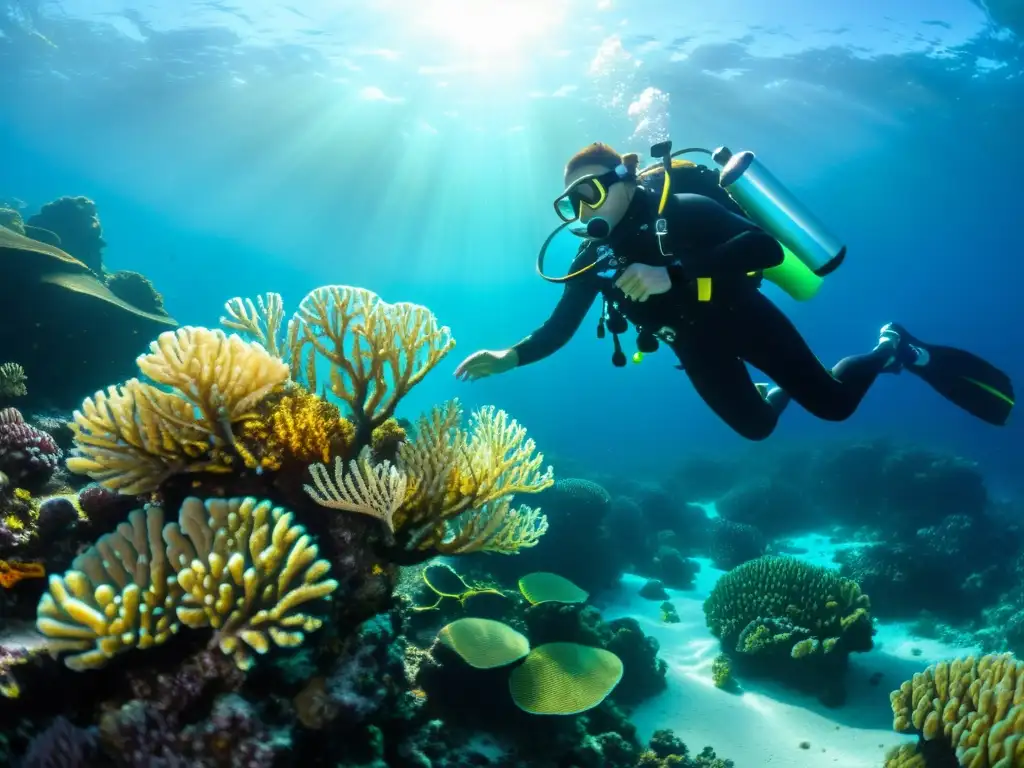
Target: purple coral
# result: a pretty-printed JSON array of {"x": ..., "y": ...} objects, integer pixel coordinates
[
  {"x": 179, "y": 691},
  {"x": 105, "y": 508},
  {"x": 62, "y": 745},
  {"x": 28, "y": 456},
  {"x": 57, "y": 516},
  {"x": 235, "y": 735},
  {"x": 140, "y": 735}
]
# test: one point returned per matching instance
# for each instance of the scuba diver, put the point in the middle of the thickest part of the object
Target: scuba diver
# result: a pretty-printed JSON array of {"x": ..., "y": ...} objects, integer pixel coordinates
[{"x": 685, "y": 266}]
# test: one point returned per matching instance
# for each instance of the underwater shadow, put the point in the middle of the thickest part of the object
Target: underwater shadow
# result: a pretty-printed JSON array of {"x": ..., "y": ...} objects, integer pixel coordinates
[{"x": 870, "y": 678}]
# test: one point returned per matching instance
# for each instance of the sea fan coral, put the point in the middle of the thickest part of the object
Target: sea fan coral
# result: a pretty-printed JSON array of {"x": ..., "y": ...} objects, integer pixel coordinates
[
  {"x": 451, "y": 490},
  {"x": 12, "y": 380},
  {"x": 377, "y": 351}
]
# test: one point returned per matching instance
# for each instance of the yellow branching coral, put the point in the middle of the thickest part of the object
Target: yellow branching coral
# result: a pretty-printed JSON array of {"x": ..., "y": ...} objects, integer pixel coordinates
[
  {"x": 125, "y": 441},
  {"x": 496, "y": 527},
  {"x": 134, "y": 437},
  {"x": 458, "y": 486},
  {"x": 222, "y": 376},
  {"x": 975, "y": 704},
  {"x": 377, "y": 352},
  {"x": 12, "y": 380},
  {"x": 462, "y": 483},
  {"x": 117, "y": 596},
  {"x": 245, "y": 569},
  {"x": 262, "y": 321}
]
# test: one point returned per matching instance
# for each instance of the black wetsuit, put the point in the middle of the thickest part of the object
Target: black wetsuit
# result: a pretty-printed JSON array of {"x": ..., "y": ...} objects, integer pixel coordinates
[{"x": 712, "y": 339}]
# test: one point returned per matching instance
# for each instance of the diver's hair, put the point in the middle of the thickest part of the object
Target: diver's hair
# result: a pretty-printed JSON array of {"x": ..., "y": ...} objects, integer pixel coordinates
[{"x": 604, "y": 156}]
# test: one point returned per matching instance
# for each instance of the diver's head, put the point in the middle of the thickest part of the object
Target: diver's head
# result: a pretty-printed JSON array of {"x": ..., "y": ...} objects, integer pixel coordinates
[{"x": 599, "y": 187}]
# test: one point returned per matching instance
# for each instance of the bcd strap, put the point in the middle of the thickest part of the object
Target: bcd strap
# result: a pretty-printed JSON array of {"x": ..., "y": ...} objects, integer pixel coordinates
[{"x": 661, "y": 231}]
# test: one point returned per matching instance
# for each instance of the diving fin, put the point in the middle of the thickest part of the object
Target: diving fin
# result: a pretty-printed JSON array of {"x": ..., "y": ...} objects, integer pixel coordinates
[{"x": 961, "y": 377}]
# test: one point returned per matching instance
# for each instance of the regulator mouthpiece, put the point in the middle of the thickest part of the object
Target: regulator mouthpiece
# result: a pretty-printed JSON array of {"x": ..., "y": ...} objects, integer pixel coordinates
[{"x": 598, "y": 228}]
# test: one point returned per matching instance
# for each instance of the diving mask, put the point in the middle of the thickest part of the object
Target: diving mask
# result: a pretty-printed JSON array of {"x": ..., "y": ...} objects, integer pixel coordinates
[{"x": 590, "y": 191}]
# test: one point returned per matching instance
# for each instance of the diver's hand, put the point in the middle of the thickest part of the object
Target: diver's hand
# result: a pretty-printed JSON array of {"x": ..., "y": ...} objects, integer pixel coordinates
[
  {"x": 641, "y": 281},
  {"x": 486, "y": 363}
]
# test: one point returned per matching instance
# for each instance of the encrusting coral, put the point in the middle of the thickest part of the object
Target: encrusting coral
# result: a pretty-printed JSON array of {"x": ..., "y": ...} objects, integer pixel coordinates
[
  {"x": 974, "y": 705},
  {"x": 237, "y": 565}
]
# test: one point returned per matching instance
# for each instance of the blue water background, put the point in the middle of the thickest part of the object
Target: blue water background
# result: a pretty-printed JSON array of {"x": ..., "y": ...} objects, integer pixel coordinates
[{"x": 224, "y": 174}]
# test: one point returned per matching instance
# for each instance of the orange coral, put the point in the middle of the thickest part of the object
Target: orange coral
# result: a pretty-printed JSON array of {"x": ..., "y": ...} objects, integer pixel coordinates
[{"x": 11, "y": 572}]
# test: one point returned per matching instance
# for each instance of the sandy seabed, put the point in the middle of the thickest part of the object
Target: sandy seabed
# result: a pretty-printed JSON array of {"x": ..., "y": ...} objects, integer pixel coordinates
[{"x": 767, "y": 724}]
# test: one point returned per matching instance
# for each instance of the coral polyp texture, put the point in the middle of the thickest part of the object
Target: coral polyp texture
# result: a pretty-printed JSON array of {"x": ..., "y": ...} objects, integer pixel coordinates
[
  {"x": 239, "y": 566},
  {"x": 28, "y": 456},
  {"x": 782, "y": 603},
  {"x": 975, "y": 706},
  {"x": 133, "y": 437}
]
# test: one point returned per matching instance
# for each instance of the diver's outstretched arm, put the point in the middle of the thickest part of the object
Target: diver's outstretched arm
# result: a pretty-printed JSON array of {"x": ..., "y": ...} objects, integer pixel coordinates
[{"x": 577, "y": 299}]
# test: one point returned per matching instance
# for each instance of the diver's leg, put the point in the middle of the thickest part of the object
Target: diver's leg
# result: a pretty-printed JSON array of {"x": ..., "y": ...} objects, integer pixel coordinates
[
  {"x": 723, "y": 382},
  {"x": 774, "y": 345}
]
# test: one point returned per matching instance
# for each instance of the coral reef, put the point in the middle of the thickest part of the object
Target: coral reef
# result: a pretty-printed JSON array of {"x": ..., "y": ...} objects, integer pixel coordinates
[
  {"x": 239, "y": 443},
  {"x": 770, "y": 504},
  {"x": 62, "y": 745},
  {"x": 782, "y": 616},
  {"x": 134, "y": 437},
  {"x": 733, "y": 544},
  {"x": 577, "y": 544},
  {"x": 643, "y": 671}
]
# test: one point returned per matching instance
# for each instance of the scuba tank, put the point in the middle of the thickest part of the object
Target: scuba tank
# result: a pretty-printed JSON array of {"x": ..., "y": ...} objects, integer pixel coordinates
[{"x": 777, "y": 211}]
